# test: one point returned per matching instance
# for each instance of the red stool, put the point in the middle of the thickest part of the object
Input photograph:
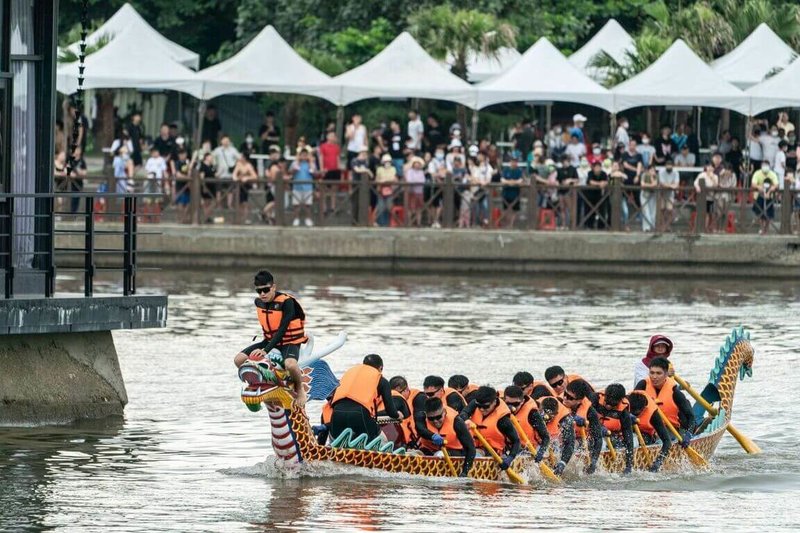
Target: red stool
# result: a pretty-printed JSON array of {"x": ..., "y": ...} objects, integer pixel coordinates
[
  {"x": 496, "y": 214},
  {"x": 730, "y": 224},
  {"x": 547, "y": 219},
  {"x": 397, "y": 217},
  {"x": 99, "y": 209}
]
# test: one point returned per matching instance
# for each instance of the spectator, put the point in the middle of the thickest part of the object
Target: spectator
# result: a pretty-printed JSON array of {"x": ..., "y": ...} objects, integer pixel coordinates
[
  {"x": 269, "y": 132},
  {"x": 596, "y": 156},
  {"x": 724, "y": 145},
  {"x": 211, "y": 127},
  {"x": 385, "y": 181},
  {"x": 791, "y": 151},
  {"x": 727, "y": 180},
  {"x": 225, "y": 156},
  {"x": 647, "y": 197},
  {"x": 708, "y": 180},
  {"x": 764, "y": 184},
  {"x": 621, "y": 135},
  {"x": 670, "y": 179},
  {"x": 665, "y": 146},
  {"x": 679, "y": 137},
  {"x": 511, "y": 181},
  {"x": 685, "y": 158},
  {"x": 692, "y": 141},
  {"x": 136, "y": 130},
  {"x": 245, "y": 177},
  {"x": 784, "y": 124},
  {"x": 438, "y": 176},
  {"x": 796, "y": 194},
  {"x": 555, "y": 142},
  {"x": 456, "y": 151},
  {"x": 734, "y": 157},
  {"x": 461, "y": 178},
  {"x": 769, "y": 145},
  {"x": 567, "y": 177},
  {"x": 361, "y": 174},
  {"x": 79, "y": 171},
  {"x": 164, "y": 143},
  {"x": 302, "y": 172},
  {"x": 208, "y": 192},
  {"x": 180, "y": 167},
  {"x": 716, "y": 162},
  {"x": 156, "y": 169},
  {"x": 329, "y": 154},
  {"x": 416, "y": 131},
  {"x": 575, "y": 150},
  {"x": 396, "y": 143},
  {"x": 632, "y": 163},
  {"x": 123, "y": 170},
  {"x": 83, "y": 127},
  {"x": 356, "y": 135},
  {"x": 523, "y": 139},
  {"x": 415, "y": 177},
  {"x": 578, "y": 122},
  {"x": 647, "y": 151},
  {"x": 60, "y": 176},
  {"x": 596, "y": 202},
  {"x": 433, "y": 133},
  {"x": 248, "y": 147},
  {"x": 124, "y": 138},
  {"x": 200, "y": 153},
  {"x": 481, "y": 173},
  {"x": 780, "y": 163},
  {"x": 60, "y": 139}
]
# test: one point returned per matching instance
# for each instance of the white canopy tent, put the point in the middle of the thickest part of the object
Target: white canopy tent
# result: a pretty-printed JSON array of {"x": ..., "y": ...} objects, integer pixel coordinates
[
  {"x": 543, "y": 74},
  {"x": 403, "y": 70},
  {"x": 781, "y": 90},
  {"x": 755, "y": 57},
  {"x": 127, "y": 18},
  {"x": 481, "y": 67},
  {"x": 128, "y": 61},
  {"x": 267, "y": 64},
  {"x": 611, "y": 39},
  {"x": 679, "y": 78}
]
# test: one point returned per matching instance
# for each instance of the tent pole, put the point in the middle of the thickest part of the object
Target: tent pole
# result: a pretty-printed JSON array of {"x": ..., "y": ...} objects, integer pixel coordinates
[
  {"x": 747, "y": 129},
  {"x": 201, "y": 111},
  {"x": 697, "y": 129},
  {"x": 474, "y": 132},
  {"x": 612, "y": 129},
  {"x": 549, "y": 116},
  {"x": 340, "y": 123}
]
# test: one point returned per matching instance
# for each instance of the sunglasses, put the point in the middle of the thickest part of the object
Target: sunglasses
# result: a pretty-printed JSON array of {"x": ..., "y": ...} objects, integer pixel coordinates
[
  {"x": 557, "y": 383},
  {"x": 435, "y": 417},
  {"x": 433, "y": 393},
  {"x": 264, "y": 290},
  {"x": 483, "y": 405},
  {"x": 569, "y": 397},
  {"x": 513, "y": 405}
]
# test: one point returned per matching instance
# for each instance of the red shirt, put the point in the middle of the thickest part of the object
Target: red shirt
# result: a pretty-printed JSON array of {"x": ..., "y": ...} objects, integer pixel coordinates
[{"x": 330, "y": 155}]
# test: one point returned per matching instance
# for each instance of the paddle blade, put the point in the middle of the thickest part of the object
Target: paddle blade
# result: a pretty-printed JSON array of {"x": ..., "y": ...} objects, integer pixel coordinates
[
  {"x": 323, "y": 381},
  {"x": 548, "y": 473},
  {"x": 748, "y": 445},
  {"x": 695, "y": 457}
]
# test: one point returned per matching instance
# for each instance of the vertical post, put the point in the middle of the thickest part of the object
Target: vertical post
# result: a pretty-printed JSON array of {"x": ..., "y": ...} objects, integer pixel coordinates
[
  {"x": 280, "y": 203},
  {"x": 474, "y": 131},
  {"x": 573, "y": 206},
  {"x": 786, "y": 209},
  {"x": 363, "y": 202},
  {"x": 340, "y": 123},
  {"x": 195, "y": 197},
  {"x": 88, "y": 248},
  {"x": 49, "y": 262},
  {"x": 533, "y": 203},
  {"x": 127, "y": 245},
  {"x": 616, "y": 204},
  {"x": 700, "y": 209},
  {"x": 448, "y": 190},
  {"x": 549, "y": 115},
  {"x": 198, "y": 132},
  {"x": 9, "y": 270}
]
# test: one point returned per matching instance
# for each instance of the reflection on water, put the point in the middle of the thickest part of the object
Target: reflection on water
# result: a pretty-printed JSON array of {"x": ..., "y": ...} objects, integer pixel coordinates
[{"x": 190, "y": 457}]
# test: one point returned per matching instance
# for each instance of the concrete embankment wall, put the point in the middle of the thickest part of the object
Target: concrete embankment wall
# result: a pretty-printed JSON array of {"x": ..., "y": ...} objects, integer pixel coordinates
[{"x": 427, "y": 251}]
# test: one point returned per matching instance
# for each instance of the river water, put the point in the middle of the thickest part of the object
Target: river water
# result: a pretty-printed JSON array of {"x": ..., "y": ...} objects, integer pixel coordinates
[{"x": 188, "y": 456}]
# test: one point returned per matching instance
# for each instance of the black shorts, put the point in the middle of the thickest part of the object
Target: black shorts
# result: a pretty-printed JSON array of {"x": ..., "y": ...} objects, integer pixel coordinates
[
  {"x": 290, "y": 351},
  {"x": 244, "y": 193},
  {"x": 333, "y": 175},
  {"x": 209, "y": 190}
]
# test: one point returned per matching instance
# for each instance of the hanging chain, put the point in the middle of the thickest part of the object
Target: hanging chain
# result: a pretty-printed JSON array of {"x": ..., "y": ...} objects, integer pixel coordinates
[{"x": 78, "y": 99}]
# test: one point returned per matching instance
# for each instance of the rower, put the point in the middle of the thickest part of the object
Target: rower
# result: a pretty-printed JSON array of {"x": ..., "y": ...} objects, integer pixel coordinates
[
  {"x": 400, "y": 387},
  {"x": 612, "y": 407},
  {"x": 660, "y": 346},
  {"x": 523, "y": 380},
  {"x": 530, "y": 419},
  {"x": 433, "y": 387},
  {"x": 652, "y": 427},
  {"x": 577, "y": 398},
  {"x": 449, "y": 430},
  {"x": 669, "y": 398},
  {"x": 400, "y": 394},
  {"x": 356, "y": 399},
  {"x": 282, "y": 321},
  {"x": 492, "y": 418},
  {"x": 561, "y": 428},
  {"x": 541, "y": 389},
  {"x": 461, "y": 384},
  {"x": 558, "y": 379}
]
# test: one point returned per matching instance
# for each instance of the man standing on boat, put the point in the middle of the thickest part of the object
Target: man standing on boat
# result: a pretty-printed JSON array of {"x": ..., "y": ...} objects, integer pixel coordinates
[{"x": 283, "y": 323}]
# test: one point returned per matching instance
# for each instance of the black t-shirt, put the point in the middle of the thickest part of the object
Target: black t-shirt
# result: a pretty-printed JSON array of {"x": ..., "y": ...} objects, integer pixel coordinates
[
  {"x": 273, "y": 136},
  {"x": 734, "y": 157},
  {"x": 207, "y": 171},
  {"x": 164, "y": 146},
  {"x": 524, "y": 140},
  {"x": 396, "y": 142},
  {"x": 85, "y": 125},
  {"x": 210, "y": 130},
  {"x": 435, "y": 137},
  {"x": 665, "y": 148},
  {"x": 565, "y": 173},
  {"x": 136, "y": 132},
  {"x": 602, "y": 176},
  {"x": 633, "y": 160},
  {"x": 182, "y": 166}
]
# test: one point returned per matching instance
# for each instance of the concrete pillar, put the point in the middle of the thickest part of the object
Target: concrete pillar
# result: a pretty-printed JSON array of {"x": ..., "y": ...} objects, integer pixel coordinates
[{"x": 57, "y": 378}]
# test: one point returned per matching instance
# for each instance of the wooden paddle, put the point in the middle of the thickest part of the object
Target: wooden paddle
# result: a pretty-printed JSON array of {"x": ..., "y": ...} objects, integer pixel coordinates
[
  {"x": 546, "y": 471},
  {"x": 449, "y": 461},
  {"x": 642, "y": 443},
  {"x": 512, "y": 475},
  {"x": 611, "y": 449},
  {"x": 748, "y": 445},
  {"x": 695, "y": 457}
]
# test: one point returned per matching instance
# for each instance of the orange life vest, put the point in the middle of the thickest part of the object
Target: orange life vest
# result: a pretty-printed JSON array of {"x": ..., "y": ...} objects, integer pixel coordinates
[
  {"x": 327, "y": 413},
  {"x": 664, "y": 399},
  {"x": 448, "y": 391},
  {"x": 360, "y": 384},
  {"x": 469, "y": 389},
  {"x": 612, "y": 424},
  {"x": 583, "y": 412},
  {"x": 380, "y": 407},
  {"x": 522, "y": 416},
  {"x": 553, "y": 427},
  {"x": 488, "y": 426},
  {"x": 647, "y": 414},
  {"x": 270, "y": 315},
  {"x": 447, "y": 431},
  {"x": 409, "y": 430},
  {"x": 574, "y": 377}
]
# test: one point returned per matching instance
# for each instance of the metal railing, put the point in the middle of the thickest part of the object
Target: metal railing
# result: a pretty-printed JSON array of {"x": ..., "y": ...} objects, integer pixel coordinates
[
  {"x": 30, "y": 234},
  {"x": 450, "y": 204}
]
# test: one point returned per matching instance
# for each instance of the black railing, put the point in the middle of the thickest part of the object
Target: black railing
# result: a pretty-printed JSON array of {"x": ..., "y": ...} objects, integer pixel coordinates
[{"x": 37, "y": 236}]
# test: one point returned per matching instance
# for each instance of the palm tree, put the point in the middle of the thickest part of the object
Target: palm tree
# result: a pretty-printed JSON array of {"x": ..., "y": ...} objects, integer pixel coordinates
[
  {"x": 443, "y": 31},
  {"x": 744, "y": 17},
  {"x": 648, "y": 46}
]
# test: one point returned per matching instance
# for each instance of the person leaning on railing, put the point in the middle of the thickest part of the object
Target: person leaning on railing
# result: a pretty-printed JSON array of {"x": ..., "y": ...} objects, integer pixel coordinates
[{"x": 765, "y": 183}]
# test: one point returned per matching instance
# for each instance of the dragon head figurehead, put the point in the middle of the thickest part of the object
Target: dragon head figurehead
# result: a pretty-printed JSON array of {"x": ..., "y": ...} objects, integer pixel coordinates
[{"x": 266, "y": 381}]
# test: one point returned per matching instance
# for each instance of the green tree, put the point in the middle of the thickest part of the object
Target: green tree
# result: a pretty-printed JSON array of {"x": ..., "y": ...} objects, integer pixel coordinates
[
  {"x": 648, "y": 47},
  {"x": 744, "y": 17},
  {"x": 354, "y": 47}
]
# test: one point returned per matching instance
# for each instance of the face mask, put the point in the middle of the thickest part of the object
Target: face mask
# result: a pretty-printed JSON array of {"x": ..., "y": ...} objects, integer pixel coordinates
[
  {"x": 765, "y": 168},
  {"x": 248, "y": 140},
  {"x": 774, "y": 133},
  {"x": 596, "y": 151},
  {"x": 557, "y": 130},
  {"x": 625, "y": 125},
  {"x": 645, "y": 141},
  {"x": 439, "y": 155}
]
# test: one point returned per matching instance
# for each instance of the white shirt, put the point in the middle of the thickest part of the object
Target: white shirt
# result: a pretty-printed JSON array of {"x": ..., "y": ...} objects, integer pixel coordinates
[
  {"x": 769, "y": 147},
  {"x": 415, "y": 132},
  {"x": 225, "y": 160},
  {"x": 622, "y": 136},
  {"x": 156, "y": 166},
  {"x": 359, "y": 140},
  {"x": 780, "y": 167},
  {"x": 640, "y": 372},
  {"x": 575, "y": 152}
]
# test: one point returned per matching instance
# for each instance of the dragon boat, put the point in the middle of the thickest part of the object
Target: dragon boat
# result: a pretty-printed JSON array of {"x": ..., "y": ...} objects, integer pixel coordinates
[{"x": 266, "y": 385}]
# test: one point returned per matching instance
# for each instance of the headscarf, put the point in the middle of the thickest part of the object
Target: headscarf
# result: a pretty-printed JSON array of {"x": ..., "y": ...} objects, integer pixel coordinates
[{"x": 651, "y": 354}]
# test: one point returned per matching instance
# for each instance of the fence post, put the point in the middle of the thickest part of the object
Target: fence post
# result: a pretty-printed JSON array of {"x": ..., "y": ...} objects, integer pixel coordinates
[
  {"x": 574, "y": 193},
  {"x": 88, "y": 252},
  {"x": 786, "y": 209},
  {"x": 616, "y": 204},
  {"x": 50, "y": 263},
  {"x": 533, "y": 204},
  {"x": 127, "y": 254},
  {"x": 195, "y": 197},
  {"x": 9, "y": 259},
  {"x": 700, "y": 209},
  {"x": 363, "y": 201},
  {"x": 448, "y": 200},
  {"x": 280, "y": 197}
]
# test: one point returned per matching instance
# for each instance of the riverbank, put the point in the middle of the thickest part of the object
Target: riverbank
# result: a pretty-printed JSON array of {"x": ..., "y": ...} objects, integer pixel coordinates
[{"x": 427, "y": 251}]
